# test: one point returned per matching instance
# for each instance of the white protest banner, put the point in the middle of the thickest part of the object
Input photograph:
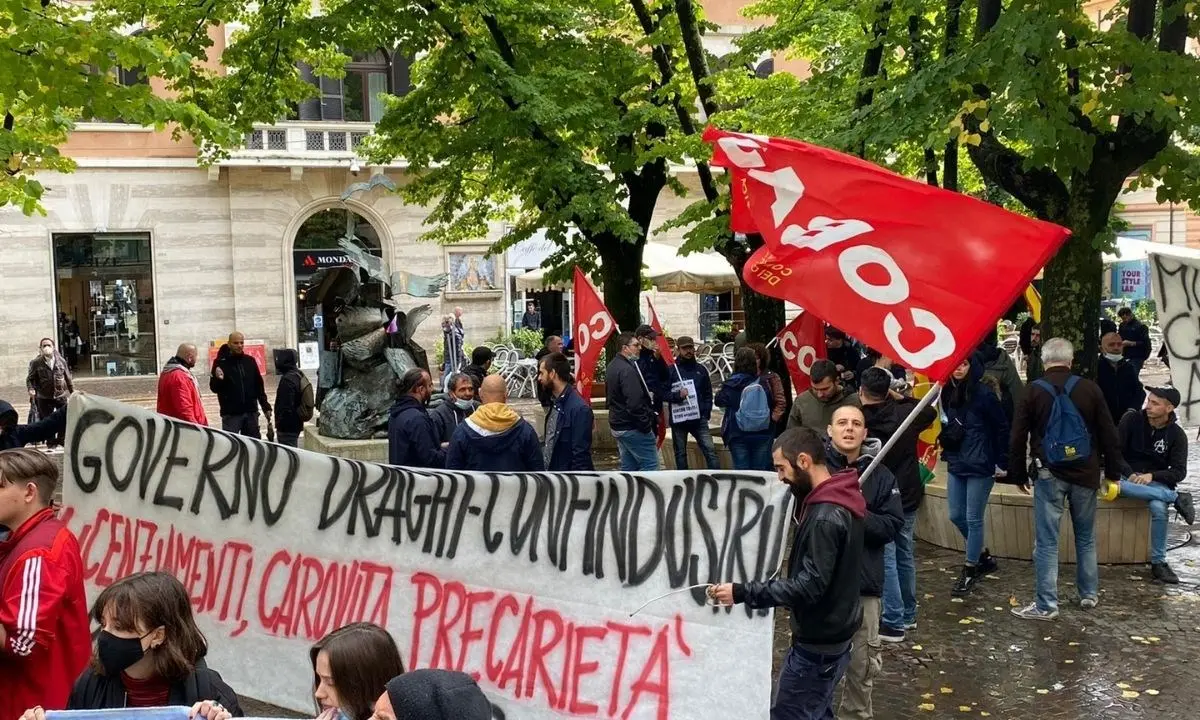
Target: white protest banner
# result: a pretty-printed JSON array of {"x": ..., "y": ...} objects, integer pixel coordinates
[
  {"x": 527, "y": 581},
  {"x": 1175, "y": 283},
  {"x": 689, "y": 409}
]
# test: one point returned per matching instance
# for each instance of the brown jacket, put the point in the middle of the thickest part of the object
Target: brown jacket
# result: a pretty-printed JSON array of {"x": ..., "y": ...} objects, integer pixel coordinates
[{"x": 1032, "y": 416}]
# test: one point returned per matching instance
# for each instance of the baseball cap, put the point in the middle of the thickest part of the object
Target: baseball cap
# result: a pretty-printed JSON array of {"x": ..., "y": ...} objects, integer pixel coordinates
[
  {"x": 685, "y": 341},
  {"x": 1169, "y": 394},
  {"x": 645, "y": 331}
]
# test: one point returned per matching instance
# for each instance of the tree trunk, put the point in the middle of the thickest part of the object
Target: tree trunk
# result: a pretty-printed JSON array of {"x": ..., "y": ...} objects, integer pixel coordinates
[
  {"x": 764, "y": 315},
  {"x": 1071, "y": 297},
  {"x": 621, "y": 280}
]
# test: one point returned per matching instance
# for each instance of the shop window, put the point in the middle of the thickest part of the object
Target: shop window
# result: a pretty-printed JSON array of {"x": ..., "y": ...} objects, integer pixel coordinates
[{"x": 105, "y": 297}]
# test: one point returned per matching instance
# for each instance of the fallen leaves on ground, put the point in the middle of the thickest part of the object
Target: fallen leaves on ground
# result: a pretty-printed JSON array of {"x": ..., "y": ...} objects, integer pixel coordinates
[
  {"x": 1130, "y": 694},
  {"x": 917, "y": 648},
  {"x": 1151, "y": 692},
  {"x": 947, "y": 691},
  {"x": 927, "y": 707},
  {"x": 1012, "y": 601}
]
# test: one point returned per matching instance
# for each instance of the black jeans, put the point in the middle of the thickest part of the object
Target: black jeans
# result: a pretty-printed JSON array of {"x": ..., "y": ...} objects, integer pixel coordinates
[{"x": 246, "y": 425}]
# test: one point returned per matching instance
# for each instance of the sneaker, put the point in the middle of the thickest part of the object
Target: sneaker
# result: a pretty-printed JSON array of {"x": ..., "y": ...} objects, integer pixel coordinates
[
  {"x": 1163, "y": 573},
  {"x": 1033, "y": 612},
  {"x": 1185, "y": 508},
  {"x": 910, "y": 626},
  {"x": 1088, "y": 603},
  {"x": 890, "y": 634},
  {"x": 987, "y": 564},
  {"x": 966, "y": 581}
]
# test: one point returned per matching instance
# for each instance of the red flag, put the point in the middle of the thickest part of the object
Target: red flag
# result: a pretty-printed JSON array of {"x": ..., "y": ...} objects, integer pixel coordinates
[
  {"x": 802, "y": 343},
  {"x": 664, "y": 348},
  {"x": 914, "y": 271},
  {"x": 593, "y": 325}
]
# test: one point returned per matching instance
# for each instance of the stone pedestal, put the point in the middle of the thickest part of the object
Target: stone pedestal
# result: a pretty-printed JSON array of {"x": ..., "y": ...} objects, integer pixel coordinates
[{"x": 365, "y": 450}]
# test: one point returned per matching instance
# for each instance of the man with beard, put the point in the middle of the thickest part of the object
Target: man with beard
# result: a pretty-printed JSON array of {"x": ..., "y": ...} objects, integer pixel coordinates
[
  {"x": 822, "y": 584},
  {"x": 848, "y": 447},
  {"x": 178, "y": 391}
]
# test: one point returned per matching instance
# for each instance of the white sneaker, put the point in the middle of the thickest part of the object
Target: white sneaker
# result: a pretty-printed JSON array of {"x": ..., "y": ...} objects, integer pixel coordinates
[
  {"x": 1088, "y": 603},
  {"x": 1033, "y": 612}
]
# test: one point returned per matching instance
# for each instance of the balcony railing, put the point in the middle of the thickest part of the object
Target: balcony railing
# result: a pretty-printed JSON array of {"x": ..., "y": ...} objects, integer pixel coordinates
[{"x": 308, "y": 139}]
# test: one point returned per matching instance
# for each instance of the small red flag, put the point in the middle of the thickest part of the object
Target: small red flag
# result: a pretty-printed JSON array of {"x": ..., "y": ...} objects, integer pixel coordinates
[
  {"x": 593, "y": 325},
  {"x": 664, "y": 348},
  {"x": 917, "y": 272},
  {"x": 802, "y": 343}
]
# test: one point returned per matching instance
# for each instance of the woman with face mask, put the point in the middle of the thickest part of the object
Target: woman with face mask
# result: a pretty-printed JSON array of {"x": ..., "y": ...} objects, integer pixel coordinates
[
  {"x": 351, "y": 666},
  {"x": 149, "y": 653}
]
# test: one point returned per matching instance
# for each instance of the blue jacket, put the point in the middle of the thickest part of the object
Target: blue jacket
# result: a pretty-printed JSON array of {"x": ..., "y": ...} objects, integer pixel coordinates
[
  {"x": 412, "y": 440},
  {"x": 985, "y": 443},
  {"x": 495, "y": 439},
  {"x": 697, "y": 373},
  {"x": 730, "y": 399},
  {"x": 571, "y": 446}
]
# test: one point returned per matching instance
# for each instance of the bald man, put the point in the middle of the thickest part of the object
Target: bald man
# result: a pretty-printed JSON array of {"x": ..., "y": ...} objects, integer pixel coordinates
[
  {"x": 1117, "y": 377},
  {"x": 238, "y": 385},
  {"x": 495, "y": 438},
  {"x": 178, "y": 391}
]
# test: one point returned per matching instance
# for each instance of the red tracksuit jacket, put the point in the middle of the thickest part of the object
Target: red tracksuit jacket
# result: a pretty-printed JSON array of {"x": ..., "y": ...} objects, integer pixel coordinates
[{"x": 43, "y": 610}]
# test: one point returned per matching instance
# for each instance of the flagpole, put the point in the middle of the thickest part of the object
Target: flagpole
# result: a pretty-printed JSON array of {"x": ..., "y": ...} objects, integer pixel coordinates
[{"x": 900, "y": 431}]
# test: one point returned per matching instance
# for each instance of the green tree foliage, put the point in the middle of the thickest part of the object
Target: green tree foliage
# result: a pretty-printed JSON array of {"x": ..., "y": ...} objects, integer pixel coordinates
[
  {"x": 60, "y": 63},
  {"x": 1051, "y": 107}
]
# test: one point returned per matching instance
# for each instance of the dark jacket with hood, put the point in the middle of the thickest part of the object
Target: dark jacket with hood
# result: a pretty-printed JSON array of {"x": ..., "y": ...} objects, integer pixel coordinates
[
  {"x": 241, "y": 391},
  {"x": 729, "y": 398},
  {"x": 412, "y": 440},
  {"x": 630, "y": 405},
  {"x": 698, "y": 374},
  {"x": 1121, "y": 387},
  {"x": 448, "y": 416},
  {"x": 1135, "y": 330},
  {"x": 100, "y": 692},
  {"x": 438, "y": 695},
  {"x": 15, "y": 436},
  {"x": 294, "y": 403},
  {"x": 822, "y": 583},
  {"x": 885, "y": 512},
  {"x": 571, "y": 443},
  {"x": 883, "y": 420},
  {"x": 997, "y": 364},
  {"x": 495, "y": 439},
  {"x": 973, "y": 405},
  {"x": 1162, "y": 452}
]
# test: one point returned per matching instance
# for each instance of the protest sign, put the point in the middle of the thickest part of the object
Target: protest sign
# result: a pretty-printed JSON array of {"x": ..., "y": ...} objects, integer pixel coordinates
[
  {"x": 524, "y": 580},
  {"x": 689, "y": 409},
  {"x": 1175, "y": 282}
]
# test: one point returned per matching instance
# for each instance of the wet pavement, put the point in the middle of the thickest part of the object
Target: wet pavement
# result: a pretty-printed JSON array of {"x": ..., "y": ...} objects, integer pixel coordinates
[{"x": 1134, "y": 656}]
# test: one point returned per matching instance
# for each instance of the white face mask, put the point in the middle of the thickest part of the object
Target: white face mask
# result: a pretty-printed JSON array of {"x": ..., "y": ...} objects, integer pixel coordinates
[
  {"x": 1114, "y": 357},
  {"x": 48, "y": 351}
]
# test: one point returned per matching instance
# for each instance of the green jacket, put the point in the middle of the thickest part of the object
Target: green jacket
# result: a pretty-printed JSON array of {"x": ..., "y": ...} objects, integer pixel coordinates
[{"x": 810, "y": 412}]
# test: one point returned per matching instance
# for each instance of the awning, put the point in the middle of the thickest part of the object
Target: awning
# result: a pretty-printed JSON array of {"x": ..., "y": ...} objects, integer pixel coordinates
[
  {"x": 1128, "y": 249},
  {"x": 667, "y": 271}
]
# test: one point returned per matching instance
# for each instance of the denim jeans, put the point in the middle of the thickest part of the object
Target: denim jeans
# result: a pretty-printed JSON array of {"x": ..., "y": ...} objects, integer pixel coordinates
[
  {"x": 900, "y": 578},
  {"x": 1160, "y": 497},
  {"x": 1049, "y": 493},
  {"x": 289, "y": 439},
  {"x": 638, "y": 450},
  {"x": 699, "y": 430},
  {"x": 751, "y": 452},
  {"x": 806, "y": 683},
  {"x": 968, "y": 499}
]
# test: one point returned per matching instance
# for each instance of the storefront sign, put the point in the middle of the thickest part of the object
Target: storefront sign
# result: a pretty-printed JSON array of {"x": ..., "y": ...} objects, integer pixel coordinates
[
  {"x": 567, "y": 595},
  {"x": 256, "y": 349},
  {"x": 529, "y": 253},
  {"x": 307, "y": 262},
  {"x": 310, "y": 357},
  {"x": 1129, "y": 279}
]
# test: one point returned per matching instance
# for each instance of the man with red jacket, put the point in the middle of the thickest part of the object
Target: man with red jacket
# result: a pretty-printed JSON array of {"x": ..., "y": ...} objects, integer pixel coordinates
[
  {"x": 44, "y": 634},
  {"x": 178, "y": 391}
]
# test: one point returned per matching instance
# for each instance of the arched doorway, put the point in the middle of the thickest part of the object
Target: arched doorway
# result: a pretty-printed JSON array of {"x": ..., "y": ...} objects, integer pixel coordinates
[{"x": 315, "y": 248}]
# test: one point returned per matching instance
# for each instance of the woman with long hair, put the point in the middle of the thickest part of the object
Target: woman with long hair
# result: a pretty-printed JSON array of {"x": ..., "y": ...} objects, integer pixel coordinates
[
  {"x": 974, "y": 442},
  {"x": 149, "y": 653},
  {"x": 351, "y": 666}
]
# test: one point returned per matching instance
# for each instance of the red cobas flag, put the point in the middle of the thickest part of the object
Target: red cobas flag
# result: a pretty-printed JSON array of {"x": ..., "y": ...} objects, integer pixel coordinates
[
  {"x": 802, "y": 343},
  {"x": 914, "y": 271},
  {"x": 593, "y": 325},
  {"x": 664, "y": 349}
]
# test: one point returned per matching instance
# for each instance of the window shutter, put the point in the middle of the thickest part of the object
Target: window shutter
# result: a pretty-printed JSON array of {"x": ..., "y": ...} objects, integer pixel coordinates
[
  {"x": 401, "y": 79},
  {"x": 309, "y": 109}
]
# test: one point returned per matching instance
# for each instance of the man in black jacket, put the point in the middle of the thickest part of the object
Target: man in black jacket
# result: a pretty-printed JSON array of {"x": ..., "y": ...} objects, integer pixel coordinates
[
  {"x": 1154, "y": 450},
  {"x": 239, "y": 388},
  {"x": 631, "y": 414},
  {"x": 481, "y": 364},
  {"x": 1117, "y": 377},
  {"x": 412, "y": 440},
  {"x": 822, "y": 584},
  {"x": 14, "y": 435},
  {"x": 554, "y": 344},
  {"x": 885, "y": 411},
  {"x": 848, "y": 447},
  {"x": 1135, "y": 336}
]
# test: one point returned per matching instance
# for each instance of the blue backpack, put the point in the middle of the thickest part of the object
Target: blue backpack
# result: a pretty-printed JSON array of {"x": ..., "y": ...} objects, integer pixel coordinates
[
  {"x": 754, "y": 409},
  {"x": 1067, "y": 442}
]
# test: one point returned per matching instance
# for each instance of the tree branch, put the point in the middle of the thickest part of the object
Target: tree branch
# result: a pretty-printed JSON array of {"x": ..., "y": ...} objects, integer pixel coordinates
[
  {"x": 693, "y": 47},
  {"x": 916, "y": 57}
]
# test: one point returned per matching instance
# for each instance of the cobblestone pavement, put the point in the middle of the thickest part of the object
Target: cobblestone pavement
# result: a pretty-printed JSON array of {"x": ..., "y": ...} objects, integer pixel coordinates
[{"x": 1132, "y": 657}]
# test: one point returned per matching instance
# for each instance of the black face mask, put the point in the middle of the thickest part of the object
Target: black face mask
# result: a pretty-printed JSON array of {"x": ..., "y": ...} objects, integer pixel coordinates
[{"x": 118, "y": 654}]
